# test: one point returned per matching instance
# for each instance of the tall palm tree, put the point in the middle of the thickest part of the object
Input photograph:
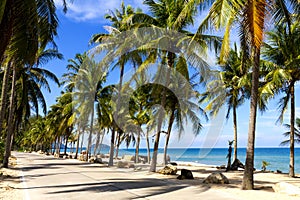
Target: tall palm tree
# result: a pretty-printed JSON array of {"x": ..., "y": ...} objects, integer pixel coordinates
[
  {"x": 182, "y": 108},
  {"x": 69, "y": 79},
  {"x": 231, "y": 88},
  {"x": 165, "y": 47},
  {"x": 120, "y": 20},
  {"x": 139, "y": 105},
  {"x": 89, "y": 81},
  {"x": 250, "y": 16},
  {"x": 283, "y": 54},
  {"x": 27, "y": 26},
  {"x": 62, "y": 118},
  {"x": 28, "y": 81}
]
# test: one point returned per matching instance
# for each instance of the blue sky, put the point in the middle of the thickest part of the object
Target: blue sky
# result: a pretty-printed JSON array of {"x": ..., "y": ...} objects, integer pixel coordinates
[{"x": 86, "y": 17}]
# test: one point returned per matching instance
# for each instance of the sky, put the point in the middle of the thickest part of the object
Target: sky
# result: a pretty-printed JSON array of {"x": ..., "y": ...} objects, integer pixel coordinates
[{"x": 86, "y": 17}]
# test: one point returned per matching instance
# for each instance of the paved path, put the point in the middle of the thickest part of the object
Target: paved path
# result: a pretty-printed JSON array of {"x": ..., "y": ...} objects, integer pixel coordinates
[{"x": 46, "y": 177}]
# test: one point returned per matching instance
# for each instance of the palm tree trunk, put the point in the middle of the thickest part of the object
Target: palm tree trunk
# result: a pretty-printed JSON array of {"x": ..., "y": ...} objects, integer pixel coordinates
[
  {"x": 235, "y": 133},
  {"x": 82, "y": 137},
  {"x": 66, "y": 144},
  {"x": 160, "y": 115},
  {"x": 148, "y": 146},
  {"x": 137, "y": 147},
  {"x": 117, "y": 144},
  {"x": 171, "y": 120},
  {"x": 4, "y": 93},
  {"x": 248, "y": 183},
  {"x": 101, "y": 141},
  {"x": 97, "y": 143},
  {"x": 112, "y": 147},
  {"x": 10, "y": 123},
  {"x": 54, "y": 146},
  {"x": 77, "y": 146},
  {"x": 122, "y": 68},
  {"x": 155, "y": 148},
  {"x": 292, "y": 132},
  {"x": 80, "y": 132},
  {"x": 88, "y": 153},
  {"x": 59, "y": 145},
  {"x": 13, "y": 135}
]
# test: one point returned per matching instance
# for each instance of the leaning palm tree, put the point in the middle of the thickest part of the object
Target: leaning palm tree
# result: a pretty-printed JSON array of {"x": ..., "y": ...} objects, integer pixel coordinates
[
  {"x": 26, "y": 26},
  {"x": 283, "y": 55},
  {"x": 27, "y": 80}
]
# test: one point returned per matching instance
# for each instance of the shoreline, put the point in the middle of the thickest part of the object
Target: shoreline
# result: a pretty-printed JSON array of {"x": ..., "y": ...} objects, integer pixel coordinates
[{"x": 277, "y": 162}]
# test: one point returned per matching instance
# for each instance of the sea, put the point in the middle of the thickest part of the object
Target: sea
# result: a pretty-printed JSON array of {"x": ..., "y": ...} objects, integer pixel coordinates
[{"x": 278, "y": 158}]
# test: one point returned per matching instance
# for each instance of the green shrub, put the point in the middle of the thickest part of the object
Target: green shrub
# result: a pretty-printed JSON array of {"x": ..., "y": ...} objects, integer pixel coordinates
[{"x": 265, "y": 164}]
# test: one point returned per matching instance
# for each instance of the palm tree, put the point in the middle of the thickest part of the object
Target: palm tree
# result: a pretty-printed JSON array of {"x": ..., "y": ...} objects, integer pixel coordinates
[
  {"x": 231, "y": 88},
  {"x": 89, "y": 81},
  {"x": 120, "y": 20},
  {"x": 27, "y": 26},
  {"x": 139, "y": 105},
  {"x": 182, "y": 108},
  {"x": 24, "y": 32},
  {"x": 250, "y": 16},
  {"x": 28, "y": 81},
  {"x": 19, "y": 19},
  {"x": 283, "y": 54},
  {"x": 61, "y": 119},
  {"x": 164, "y": 47},
  {"x": 69, "y": 79},
  {"x": 287, "y": 134},
  {"x": 105, "y": 115}
]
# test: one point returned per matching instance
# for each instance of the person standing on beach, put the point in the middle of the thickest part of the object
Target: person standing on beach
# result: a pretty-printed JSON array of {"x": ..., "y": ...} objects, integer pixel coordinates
[{"x": 229, "y": 155}]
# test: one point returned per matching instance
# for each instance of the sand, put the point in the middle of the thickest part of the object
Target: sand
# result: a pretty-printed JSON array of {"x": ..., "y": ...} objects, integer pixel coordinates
[{"x": 10, "y": 182}]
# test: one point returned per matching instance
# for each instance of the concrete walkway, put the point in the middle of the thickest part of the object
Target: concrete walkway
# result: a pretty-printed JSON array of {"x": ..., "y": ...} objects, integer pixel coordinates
[{"x": 46, "y": 177}]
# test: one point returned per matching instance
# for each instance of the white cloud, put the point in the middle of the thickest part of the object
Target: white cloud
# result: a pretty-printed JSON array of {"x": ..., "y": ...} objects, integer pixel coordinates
[{"x": 94, "y": 10}]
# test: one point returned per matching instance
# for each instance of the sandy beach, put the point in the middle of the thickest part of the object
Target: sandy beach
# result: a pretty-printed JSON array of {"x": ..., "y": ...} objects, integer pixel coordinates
[{"x": 42, "y": 173}]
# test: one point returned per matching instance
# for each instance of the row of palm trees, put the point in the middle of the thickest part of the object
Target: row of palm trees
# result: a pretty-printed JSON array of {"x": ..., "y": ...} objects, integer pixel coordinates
[
  {"x": 28, "y": 29},
  {"x": 139, "y": 40}
]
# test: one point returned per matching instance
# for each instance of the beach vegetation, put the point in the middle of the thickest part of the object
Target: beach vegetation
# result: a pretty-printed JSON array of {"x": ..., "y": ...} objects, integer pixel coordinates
[
  {"x": 284, "y": 73},
  {"x": 264, "y": 165}
]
